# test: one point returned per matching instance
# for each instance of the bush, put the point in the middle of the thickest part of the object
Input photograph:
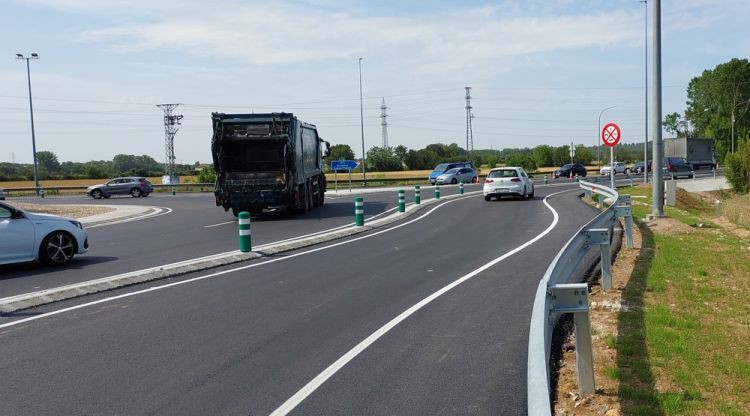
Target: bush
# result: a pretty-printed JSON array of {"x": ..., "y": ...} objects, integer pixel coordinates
[
  {"x": 738, "y": 168},
  {"x": 207, "y": 174}
]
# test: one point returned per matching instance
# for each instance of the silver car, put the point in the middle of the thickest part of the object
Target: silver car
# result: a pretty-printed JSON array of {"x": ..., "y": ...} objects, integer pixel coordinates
[
  {"x": 456, "y": 175},
  {"x": 508, "y": 181}
]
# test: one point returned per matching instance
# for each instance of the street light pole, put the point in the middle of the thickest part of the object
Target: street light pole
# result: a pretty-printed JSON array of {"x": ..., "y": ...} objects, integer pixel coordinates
[
  {"x": 598, "y": 138},
  {"x": 645, "y": 124},
  {"x": 31, "y": 111},
  {"x": 657, "y": 210},
  {"x": 362, "y": 125}
]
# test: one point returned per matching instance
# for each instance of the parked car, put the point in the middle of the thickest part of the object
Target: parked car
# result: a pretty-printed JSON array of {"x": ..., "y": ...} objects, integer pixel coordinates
[
  {"x": 444, "y": 167},
  {"x": 47, "y": 238},
  {"x": 638, "y": 167},
  {"x": 2, "y": 195},
  {"x": 508, "y": 181},
  {"x": 565, "y": 170},
  {"x": 134, "y": 185},
  {"x": 619, "y": 168},
  {"x": 456, "y": 175},
  {"x": 676, "y": 167}
]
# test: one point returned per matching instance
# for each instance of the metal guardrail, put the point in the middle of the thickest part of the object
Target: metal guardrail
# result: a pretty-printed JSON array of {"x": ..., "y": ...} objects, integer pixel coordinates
[{"x": 559, "y": 292}]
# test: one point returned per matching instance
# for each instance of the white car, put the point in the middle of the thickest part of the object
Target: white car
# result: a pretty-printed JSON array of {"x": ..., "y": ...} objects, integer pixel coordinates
[
  {"x": 25, "y": 236},
  {"x": 619, "y": 168},
  {"x": 508, "y": 181}
]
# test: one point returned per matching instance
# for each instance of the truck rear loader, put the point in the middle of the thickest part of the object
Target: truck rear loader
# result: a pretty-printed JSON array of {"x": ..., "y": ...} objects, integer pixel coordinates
[{"x": 267, "y": 160}]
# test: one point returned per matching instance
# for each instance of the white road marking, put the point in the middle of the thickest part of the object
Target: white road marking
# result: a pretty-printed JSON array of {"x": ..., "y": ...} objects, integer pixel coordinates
[
  {"x": 223, "y": 272},
  {"x": 159, "y": 211},
  {"x": 321, "y": 378},
  {"x": 221, "y": 223}
]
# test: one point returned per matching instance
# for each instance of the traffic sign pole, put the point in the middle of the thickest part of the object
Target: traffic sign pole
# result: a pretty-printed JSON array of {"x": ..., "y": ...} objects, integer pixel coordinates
[{"x": 611, "y": 136}]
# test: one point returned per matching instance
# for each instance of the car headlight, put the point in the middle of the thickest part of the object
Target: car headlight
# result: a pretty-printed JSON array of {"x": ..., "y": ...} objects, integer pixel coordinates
[{"x": 77, "y": 224}]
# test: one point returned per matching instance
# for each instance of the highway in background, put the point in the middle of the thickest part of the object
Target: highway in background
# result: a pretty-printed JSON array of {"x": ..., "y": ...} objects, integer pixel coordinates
[{"x": 245, "y": 341}]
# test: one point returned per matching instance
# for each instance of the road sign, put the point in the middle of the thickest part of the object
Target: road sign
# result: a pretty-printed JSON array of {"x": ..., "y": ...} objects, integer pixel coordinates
[
  {"x": 343, "y": 165},
  {"x": 572, "y": 150},
  {"x": 611, "y": 134}
]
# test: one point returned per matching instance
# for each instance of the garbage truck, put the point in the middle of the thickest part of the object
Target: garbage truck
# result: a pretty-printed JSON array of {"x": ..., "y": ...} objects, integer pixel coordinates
[{"x": 267, "y": 160}]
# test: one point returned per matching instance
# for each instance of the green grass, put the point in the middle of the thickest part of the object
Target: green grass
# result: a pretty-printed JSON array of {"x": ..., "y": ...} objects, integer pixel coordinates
[{"x": 688, "y": 321}]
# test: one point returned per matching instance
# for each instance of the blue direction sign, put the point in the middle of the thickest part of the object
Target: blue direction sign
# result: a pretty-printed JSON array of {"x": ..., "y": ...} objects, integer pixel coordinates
[{"x": 343, "y": 165}]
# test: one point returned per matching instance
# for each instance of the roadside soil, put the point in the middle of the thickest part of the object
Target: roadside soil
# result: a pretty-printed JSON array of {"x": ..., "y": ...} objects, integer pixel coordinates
[
  {"x": 72, "y": 211},
  {"x": 604, "y": 307}
]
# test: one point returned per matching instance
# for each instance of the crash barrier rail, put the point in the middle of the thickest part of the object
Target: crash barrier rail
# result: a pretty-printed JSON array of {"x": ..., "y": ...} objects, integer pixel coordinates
[{"x": 560, "y": 292}]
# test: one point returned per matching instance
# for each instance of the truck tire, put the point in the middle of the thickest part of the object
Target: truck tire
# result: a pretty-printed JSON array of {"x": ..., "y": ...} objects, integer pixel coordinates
[{"x": 303, "y": 200}]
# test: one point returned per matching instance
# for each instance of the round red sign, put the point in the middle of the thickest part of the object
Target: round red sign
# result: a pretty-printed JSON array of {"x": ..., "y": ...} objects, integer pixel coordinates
[{"x": 611, "y": 134}]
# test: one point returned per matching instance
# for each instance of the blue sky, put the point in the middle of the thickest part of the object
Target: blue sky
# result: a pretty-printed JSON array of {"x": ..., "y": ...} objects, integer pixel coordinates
[{"x": 540, "y": 70}]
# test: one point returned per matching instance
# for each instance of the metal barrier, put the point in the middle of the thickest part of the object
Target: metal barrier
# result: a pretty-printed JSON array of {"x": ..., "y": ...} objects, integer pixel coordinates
[{"x": 559, "y": 292}]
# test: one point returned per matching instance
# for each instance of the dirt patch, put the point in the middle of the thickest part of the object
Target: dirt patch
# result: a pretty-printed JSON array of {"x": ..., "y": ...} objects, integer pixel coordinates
[
  {"x": 667, "y": 225},
  {"x": 72, "y": 211},
  {"x": 604, "y": 308},
  {"x": 731, "y": 227}
]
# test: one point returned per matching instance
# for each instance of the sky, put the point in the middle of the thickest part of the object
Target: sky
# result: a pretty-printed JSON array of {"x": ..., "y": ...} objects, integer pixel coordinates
[{"x": 540, "y": 71}]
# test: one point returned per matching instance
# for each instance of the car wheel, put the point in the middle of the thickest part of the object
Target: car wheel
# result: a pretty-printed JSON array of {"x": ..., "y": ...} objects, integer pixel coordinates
[
  {"x": 96, "y": 194},
  {"x": 145, "y": 194},
  {"x": 454, "y": 181},
  {"x": 525, "y": 195},
  {"x": 135, "y": 192},
  {"x": 475, "y": 180},
  {"x": 531, "y": 195},
  {"x": 107, "y": 196},
  {"x": 57, "y": 248},
  {"x": 487, "y": 197}
]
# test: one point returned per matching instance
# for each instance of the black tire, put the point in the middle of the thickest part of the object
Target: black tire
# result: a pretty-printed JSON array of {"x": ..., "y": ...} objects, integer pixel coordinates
[
  {"x": 303, "y": 200},
  {"x": 525, "y": 195},
  {"x": 107, "y": 196},
  {"x": 487, "y": 198},
  {"x": 531, "y": 195},
  {"x": 145, "y": 194},
  {"x": 454, "y": 181},
  {"x": 97, "y": 194},
  {"x": 475, "y": 180},
  {"x": 135, "y": 193},
  {"x": 57, "y": 248}
]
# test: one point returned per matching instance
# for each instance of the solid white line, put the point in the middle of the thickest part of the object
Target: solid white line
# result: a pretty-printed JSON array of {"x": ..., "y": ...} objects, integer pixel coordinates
[
  {"x": 223, "y": 272},
  {"x": 321, "y": 378},
  {"x": 159, "y": 212},
  {"x": 221, "y": 223}
]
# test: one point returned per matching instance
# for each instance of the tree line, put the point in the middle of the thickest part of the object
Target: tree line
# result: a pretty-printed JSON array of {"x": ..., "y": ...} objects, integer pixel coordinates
[
  {"x": 383, "y": 159},
  {"x": 50, "y": 168}
]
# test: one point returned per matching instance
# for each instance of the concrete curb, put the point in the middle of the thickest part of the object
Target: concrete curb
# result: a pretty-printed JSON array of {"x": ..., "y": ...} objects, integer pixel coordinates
[
  {"x": 43, "y": 297},
  {"x": 131, "y": 212}
]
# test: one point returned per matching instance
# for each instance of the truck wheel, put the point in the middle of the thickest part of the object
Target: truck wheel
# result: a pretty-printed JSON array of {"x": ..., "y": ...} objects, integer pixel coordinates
[
  {"x": 316, "y": 197},
  {"x": 303, "y": 207}
]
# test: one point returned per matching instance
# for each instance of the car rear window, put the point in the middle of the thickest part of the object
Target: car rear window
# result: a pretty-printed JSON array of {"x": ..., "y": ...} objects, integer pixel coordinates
[{"x": 504, "y": 173}]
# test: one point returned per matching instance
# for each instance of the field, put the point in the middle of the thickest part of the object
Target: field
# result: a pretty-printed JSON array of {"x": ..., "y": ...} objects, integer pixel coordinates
[{"x": 411, "y": 174}]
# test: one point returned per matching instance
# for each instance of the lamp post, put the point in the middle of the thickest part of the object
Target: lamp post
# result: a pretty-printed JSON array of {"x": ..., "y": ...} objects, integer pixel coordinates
[
  {"x": 31, "y": 111},
  {"x": 734, "y": 108},
  {"x": 645, "y": 65},
  {"x": 598, "y": 143},
  {"x": 362, "y": 125}
]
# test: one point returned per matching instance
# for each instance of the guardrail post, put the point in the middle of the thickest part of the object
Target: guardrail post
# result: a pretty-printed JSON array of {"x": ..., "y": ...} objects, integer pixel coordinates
[
  {"x": 461, "y": 188},
  {"x": 625, "y": 210},
  {"x": 714, "y": 171},
  {"x": 437, "y": 191},
  {"x": 173, "y": 191},
  {"x": 600, "y": 237},
  {"x": 401, "y": 201},
  {"x": 359, "y": 211},
  {"x": 246, "y": 236},
  {"x": 573, "y": 298},
  {"x": 417, "y": 196}
]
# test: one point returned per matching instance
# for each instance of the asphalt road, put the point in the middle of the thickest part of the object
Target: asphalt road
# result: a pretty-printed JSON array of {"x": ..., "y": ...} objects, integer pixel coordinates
[{"x": 243, "y": 340}]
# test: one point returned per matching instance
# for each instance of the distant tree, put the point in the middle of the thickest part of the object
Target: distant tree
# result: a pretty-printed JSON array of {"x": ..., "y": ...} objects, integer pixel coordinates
[
  {"x": 583, "y": 155},
  {"x": 47, "y": 161},
  {"x": 401, "y": 151},
  {"x": 382, "y": 159},
  {"x": 339, "y": 152},
  {"x": 207, "y": 174},
  {"x": 714, "y": 96},
  {"x": 544, "y": 155},
  {"x": 738, "y": 168},
  {"x": 522, "y": 160},
  {"x": 491, "y": 161}
]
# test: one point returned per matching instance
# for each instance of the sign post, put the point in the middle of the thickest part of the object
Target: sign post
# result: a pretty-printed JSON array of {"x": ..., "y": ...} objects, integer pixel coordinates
[
  {"x": 346, "y": 165},
  {"x": 610, "y": 137}
]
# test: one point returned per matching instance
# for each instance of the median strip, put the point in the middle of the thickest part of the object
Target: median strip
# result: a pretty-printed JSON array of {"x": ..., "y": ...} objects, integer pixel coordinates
[{"x": 42, "y": 297}]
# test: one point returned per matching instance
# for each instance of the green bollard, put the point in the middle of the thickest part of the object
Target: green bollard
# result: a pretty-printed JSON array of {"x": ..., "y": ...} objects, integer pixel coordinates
[
  {"x": 359, "y": 211},
  {"x": 401, "y": 201},
  {"x": 545, "y": 179},
  {"x": 461, "y": 188},
  {"x": 246, "y": 240},
  {"x": 173, "y": 191},
  {"x": 417, "y": 195},
  {"x": 437, "y": 191},
  {"x": 41, "y": 193}
]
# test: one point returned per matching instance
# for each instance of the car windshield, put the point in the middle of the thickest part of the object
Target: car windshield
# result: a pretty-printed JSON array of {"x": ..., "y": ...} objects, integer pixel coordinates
[
  {"x": 568, "y": 166},
  {"x": 441, "y": 168},
  {"x": 504, "y": 173}
]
